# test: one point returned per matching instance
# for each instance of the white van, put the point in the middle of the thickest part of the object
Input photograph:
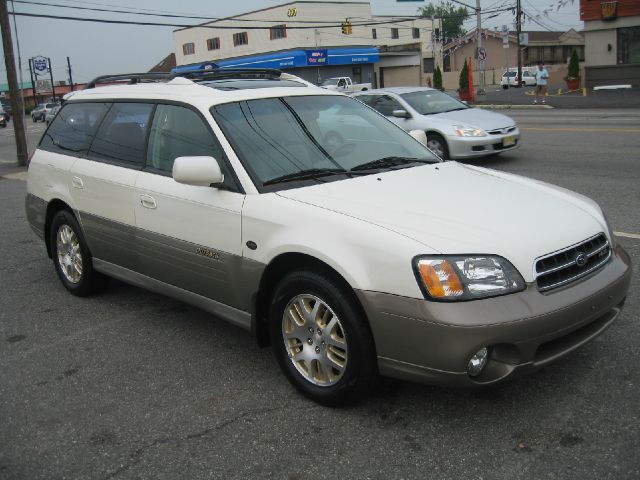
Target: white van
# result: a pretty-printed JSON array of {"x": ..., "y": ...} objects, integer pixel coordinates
[{"x": 510, "y": 77}]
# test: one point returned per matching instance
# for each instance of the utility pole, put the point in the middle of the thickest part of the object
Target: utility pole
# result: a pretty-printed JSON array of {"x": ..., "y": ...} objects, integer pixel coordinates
[
  {"x": 69, "y": 71},
  {"x": 16, "y": 103},
  {"x": 33, "y": 83},
  {"x": 518, "y": 29},
  {"x": 15, "y": 28},
  {"x": 53, "y": 87},
  {"x": 479, "y": 45}
]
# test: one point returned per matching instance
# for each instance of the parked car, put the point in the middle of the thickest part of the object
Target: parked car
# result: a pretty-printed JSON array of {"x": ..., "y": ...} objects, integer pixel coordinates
[
  {"x": 41, "y": 111},
  {"x": 352, "y": 259},
  {"x": 344, "y": 85},
  {"x": 6, "y": 106},
  {"x": 510, "y": 78},
  {"x": 3, "y": 117},
  {"x": 454, "y": 130},
  {"x": 51, "y": 114}
]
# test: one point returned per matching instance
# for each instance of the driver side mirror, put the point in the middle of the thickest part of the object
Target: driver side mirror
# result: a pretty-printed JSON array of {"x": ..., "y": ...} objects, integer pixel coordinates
[
  {"x": 197, "y": 171},
  {"x": 401, "y": 114}
]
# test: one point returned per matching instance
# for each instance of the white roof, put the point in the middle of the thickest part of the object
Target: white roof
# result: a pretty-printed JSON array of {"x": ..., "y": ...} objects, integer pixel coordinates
[{"x": 183, "y": 90}]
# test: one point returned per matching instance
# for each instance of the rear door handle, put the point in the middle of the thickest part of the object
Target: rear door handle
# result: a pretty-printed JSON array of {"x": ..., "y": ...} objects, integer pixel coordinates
[
  {"x": 76, "y": 182},
  {"x": 147, "y": 201}
]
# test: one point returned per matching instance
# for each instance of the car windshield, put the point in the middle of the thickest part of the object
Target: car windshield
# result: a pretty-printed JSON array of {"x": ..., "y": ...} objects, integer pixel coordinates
[
  {"x": 330, "y": 81},
  {"x": 50, "y": 105},
  {"x": 428, "y": 102},
  {"x": 314, "y": 138},
  {"x": 509, "y": 74}
]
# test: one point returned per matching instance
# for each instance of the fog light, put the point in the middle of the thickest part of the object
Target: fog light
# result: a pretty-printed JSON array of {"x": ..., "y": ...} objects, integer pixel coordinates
[{"x": 478, "y": 362}]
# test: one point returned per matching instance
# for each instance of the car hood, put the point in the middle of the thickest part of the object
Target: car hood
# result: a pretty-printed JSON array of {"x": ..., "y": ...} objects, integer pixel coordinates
[
  {"x": 477, "y": 117},
  {"x": 452, "y": 208}
]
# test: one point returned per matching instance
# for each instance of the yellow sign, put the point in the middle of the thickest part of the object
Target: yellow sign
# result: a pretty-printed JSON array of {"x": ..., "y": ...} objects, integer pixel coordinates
[
  {"x": 292, "y": 12},
  {"x": 609, "y": 10}
]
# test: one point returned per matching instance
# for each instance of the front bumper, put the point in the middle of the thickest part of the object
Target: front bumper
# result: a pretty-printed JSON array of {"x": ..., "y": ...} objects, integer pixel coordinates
[
  {"x": 470, "y": 147},
  {"x": 432, "y": 342}
]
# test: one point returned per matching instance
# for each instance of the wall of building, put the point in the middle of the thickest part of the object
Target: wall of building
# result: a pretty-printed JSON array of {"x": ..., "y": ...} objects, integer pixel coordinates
[
  {"x": 495, "y": 54},
  {"x": 259, "y": 41}
]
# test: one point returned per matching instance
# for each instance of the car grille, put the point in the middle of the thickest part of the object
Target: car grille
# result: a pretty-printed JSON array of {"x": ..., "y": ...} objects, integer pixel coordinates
[
  {"x": 572, "y": 263},
  {"x": 501, "y": 131}
]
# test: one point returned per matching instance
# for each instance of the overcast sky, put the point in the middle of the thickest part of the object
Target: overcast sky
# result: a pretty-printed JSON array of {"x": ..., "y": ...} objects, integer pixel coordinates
[{"x": 96, "y": 49}]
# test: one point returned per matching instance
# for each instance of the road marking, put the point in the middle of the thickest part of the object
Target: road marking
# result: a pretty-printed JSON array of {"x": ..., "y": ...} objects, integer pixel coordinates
[
  {"x": 16, "y": 176},
  {"x": 627, "y": 235},
  {"x": 571, "y": 129}
]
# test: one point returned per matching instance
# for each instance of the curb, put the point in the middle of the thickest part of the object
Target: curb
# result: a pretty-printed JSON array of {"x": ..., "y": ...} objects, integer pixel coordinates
[
  {"x": 15, "y": 176},
  {"x": 498, "y": 106}
]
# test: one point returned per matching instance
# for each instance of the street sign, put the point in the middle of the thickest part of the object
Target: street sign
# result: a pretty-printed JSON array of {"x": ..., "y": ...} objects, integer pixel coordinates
[
  {"x": 43, "y": 86},
  {"x": 524, "y": 39},
  {"x": 40, "y": 65},
  {"x": 482, "y": 54}
]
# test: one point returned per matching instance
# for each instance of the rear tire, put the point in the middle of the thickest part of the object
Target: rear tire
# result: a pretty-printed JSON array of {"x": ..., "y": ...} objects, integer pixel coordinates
[
  {"x": 321, "y": 338},
  {"x": 71, "y": 256}
]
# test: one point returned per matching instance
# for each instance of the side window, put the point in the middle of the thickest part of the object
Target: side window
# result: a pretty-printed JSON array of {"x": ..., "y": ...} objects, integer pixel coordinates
[
  {"x": 180, "y": 132},
  {"x": 122, "y": 134},
  {"x": 386, "y": 105},
  {"x": 72, "y": 129}
]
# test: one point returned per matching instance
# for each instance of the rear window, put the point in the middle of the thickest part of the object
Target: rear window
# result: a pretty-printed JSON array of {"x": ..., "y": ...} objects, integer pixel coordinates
[{"x": 72, "y": 129}]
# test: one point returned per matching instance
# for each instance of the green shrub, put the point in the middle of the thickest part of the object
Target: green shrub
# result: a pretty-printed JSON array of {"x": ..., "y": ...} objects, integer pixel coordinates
[
  {"x": 574, "y": 66},
  {"x": 464, "y": 77},
  {"x": 437, "y": 78}
]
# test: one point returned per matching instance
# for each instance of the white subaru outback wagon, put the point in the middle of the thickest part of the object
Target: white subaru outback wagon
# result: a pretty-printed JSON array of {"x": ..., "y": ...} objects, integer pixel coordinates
[{"x": 352, "y": 259}]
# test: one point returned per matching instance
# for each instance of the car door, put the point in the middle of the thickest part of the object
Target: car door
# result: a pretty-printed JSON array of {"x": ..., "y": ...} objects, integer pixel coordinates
[
  {"x": 102, "y": 183},
  {"x": 188, "y": 236}
]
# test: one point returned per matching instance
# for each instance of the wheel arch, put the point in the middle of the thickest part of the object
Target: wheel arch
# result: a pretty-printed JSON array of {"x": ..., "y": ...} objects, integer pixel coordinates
[
  {"x": 53, "y": 207},
  {"x": 277, "y": 268}
]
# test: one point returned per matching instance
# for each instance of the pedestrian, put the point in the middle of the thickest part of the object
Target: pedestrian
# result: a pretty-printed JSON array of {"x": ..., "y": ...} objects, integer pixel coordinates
[{"x": 541, "y": 83}]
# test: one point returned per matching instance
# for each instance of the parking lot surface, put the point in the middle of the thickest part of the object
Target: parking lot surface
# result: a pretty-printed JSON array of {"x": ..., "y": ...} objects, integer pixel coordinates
[{"x": 129, "y": 384}]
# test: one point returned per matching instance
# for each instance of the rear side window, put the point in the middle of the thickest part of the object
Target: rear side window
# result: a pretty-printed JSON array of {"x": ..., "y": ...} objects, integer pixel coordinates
[
  {"x": 122, "y": 134},
  {"x": 72, "y": 129}
]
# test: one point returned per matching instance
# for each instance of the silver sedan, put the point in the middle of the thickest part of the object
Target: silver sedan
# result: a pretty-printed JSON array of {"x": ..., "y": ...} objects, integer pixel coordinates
[{"x": 454, "y": 130}]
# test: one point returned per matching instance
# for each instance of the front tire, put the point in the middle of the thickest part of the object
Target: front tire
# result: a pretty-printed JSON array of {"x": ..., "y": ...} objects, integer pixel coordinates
[
  {"x": 321, "y": 338},
  {"x": 437, "y": 145},
  {"x": 71, "y": 256}
]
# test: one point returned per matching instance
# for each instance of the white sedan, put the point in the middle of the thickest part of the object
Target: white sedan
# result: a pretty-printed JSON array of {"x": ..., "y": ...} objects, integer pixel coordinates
[{"x": 454, "y": 130}]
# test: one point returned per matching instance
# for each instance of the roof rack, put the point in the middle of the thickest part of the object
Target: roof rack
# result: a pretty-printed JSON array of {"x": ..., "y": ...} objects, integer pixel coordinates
[
  {"x": 227, "y": 73},
  {"x": 132, "y": 77}
]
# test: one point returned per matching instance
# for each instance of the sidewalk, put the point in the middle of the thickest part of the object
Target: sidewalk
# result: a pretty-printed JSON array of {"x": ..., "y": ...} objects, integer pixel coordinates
[{"x": 624, "y": 98}]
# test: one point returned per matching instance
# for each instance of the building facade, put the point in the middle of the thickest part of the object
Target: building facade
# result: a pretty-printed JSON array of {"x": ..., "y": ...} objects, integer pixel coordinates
[
  {"x": 612, "y": 41},
  {"x": 306, "y": 38}
]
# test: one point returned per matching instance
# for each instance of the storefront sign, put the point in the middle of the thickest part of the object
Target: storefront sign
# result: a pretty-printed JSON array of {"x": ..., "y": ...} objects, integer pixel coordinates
[
  {"x": 40, "y": 65},
  {"x": 316, "y": 57}
]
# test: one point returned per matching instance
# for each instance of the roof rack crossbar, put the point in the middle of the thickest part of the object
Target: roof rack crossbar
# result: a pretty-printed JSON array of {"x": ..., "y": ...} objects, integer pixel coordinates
[
  {"x": 132, "y": 77},
  {"x": 228, "y": 73}
]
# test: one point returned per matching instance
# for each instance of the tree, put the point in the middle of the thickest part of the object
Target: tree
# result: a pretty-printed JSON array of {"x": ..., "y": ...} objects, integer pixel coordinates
[
  {"x": 452, "y": 18},
  {"x": 574, "y": 66},
  {"x": 464, "y": 77},
  {"x": 437, "y": 78}
]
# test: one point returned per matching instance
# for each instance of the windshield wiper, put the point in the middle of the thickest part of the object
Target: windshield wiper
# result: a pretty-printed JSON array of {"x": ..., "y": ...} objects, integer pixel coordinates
[
  {"x": 312, "y": 173},
  {"x": 455, "y": 109},
  {"x": 387, "y": 162}
]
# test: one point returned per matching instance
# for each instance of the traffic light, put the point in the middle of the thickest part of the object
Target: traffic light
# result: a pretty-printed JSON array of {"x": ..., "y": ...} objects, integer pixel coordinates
[{"x": 346, "y": 27}]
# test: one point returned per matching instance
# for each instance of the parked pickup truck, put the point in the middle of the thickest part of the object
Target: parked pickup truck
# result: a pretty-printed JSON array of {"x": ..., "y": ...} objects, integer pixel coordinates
[{"x": 345, "y": 85}]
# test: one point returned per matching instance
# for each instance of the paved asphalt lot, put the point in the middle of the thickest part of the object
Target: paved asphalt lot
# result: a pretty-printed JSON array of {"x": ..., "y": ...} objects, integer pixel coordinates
[{"x": 129, "y": 384}]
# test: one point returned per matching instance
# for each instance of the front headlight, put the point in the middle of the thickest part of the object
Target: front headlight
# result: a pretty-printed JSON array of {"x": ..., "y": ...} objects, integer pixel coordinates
[
  {"x": 463, "y": 131},
  {"x": 466, "y": 277}
]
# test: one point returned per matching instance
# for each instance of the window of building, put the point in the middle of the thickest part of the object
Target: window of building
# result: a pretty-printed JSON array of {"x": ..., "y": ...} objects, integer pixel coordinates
[
  {"x": 122, "y": 134},
  {"x": 629, "y": 45},
  {"x": 416, "y": 32},
  {"x": 278, "y": 31},
  {"x": 72, "y": 128},
  {"x": 188, "y": 49},
  {"x": 241, "y": 38},
  {"x": 374, "y": 33},
  {"x": 213, "y": 43},
  {"x": 178, "y": 132},
  {"x": 394, "y": 33}
]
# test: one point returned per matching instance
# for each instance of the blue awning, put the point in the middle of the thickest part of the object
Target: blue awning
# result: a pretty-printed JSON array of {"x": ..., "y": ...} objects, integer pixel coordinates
[{"x": 294, "y": 58}]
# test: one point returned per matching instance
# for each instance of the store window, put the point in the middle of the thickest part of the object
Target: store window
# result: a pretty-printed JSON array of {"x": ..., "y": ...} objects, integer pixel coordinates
[
  {"x": 241, "y": 38},
  {"x": 278, "y": 31},
  {"x": 629, "y": 45},
  {"x": 188, "y": 49}
]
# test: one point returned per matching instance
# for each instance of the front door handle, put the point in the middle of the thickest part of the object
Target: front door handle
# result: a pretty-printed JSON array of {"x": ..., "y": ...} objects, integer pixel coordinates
[
  {"x": 147, "y": 201},
  {"x": 76, "y": 182}
]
